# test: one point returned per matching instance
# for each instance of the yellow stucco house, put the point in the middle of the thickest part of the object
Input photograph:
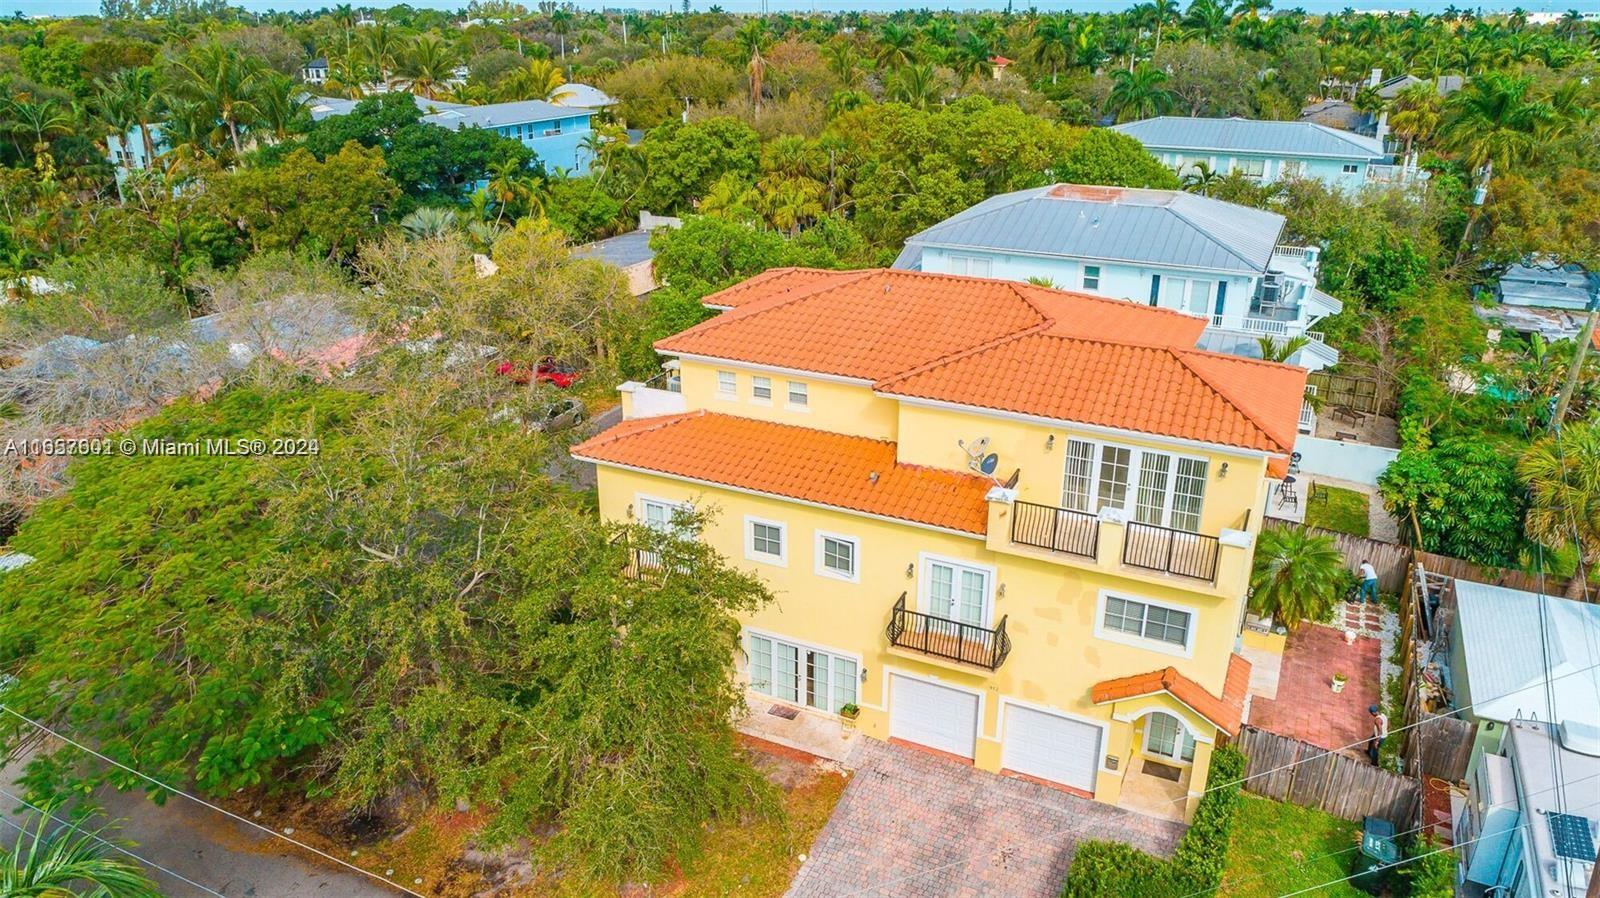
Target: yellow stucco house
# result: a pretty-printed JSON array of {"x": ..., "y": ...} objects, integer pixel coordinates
[{"x": 1012, "y": 525}]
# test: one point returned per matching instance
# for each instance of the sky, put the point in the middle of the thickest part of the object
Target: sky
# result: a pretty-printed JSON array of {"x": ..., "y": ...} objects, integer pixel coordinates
[{"x": 90, "y": 7}]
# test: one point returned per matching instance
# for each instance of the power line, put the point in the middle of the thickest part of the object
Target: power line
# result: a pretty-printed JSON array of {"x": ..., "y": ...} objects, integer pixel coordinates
[
  {"x": 106, "y": 842},
  {"x": 201, "y": 801}
]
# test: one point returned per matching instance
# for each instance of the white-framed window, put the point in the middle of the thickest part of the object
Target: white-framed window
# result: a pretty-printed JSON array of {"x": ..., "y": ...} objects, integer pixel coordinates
[
  {"x": 727, "y": 385},
  {"x": 1165, "y": 735},
  {"x": 799, "y": 395},
  {"x": 1350, "y": 168},
  {"x": 1251, "y": 168},
  {"x": 1145, "y": 622},
  {"x": 957, "y": 590},
  {"x": 761, "y": 389},
  {"x": 976, "y": 266},
  {"x": 839, "y": 556},
  {"x": 658, "y": 514},
  {"x": 1091, "y": 277},
  {"x": 1165, "y": 490},
  {"x": 1292, "y": 168},
  {"x": 766, "y": 541},
  {"x": 791, "y": 671}
]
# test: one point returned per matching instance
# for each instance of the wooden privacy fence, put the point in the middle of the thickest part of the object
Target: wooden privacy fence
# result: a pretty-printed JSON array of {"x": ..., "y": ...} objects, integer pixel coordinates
[
  {"x": 1287, "y": 769},
  {"x": 1456, "y": 568},
  {"x": 1359, "y": 393},
  {"x": 1391, "y": 560}
]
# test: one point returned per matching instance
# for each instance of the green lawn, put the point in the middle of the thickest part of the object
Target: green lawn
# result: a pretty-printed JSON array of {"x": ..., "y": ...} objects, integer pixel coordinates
[
  {"x": 1279, "y": 848},
  {"x": 1336, "y": 508}
]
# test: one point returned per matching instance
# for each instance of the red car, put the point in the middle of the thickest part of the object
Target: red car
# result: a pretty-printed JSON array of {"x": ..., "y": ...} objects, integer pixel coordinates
[{"x": 548, "y": 371}]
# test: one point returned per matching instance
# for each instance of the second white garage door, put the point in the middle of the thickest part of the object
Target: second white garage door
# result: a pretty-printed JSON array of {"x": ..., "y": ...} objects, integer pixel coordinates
[
  {"x": 935, "y": 716},
  {"x": 1051, "y": 747}
]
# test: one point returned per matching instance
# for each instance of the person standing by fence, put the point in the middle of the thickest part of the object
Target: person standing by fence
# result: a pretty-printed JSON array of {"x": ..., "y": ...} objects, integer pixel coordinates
[
  {"x": 1380, "y": 729},
  {"x": 1369, "y": 582}
]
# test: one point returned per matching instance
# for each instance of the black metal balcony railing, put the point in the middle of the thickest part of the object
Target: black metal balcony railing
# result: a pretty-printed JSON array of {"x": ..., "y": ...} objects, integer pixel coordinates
[
  {"x": 1171, "y": 551},
  {"x": 949, "y": 639},
  {"x": 1056, "y": 529}
]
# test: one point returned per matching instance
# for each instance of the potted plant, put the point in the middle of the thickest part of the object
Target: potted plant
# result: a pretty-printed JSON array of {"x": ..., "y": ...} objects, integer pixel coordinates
[
  {"x": 849, "y": 713},
  {"x": 1339, "y": 680}
]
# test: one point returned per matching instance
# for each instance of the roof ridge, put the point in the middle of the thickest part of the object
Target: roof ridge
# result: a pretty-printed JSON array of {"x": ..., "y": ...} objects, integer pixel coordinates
[
  {"x": 969, "y": 214},
  {"x": 1022, "y": 286},
  {"x": 1193, "y": 198},
  {"x": 620, "y": 431},
  {"x": 1182, "y": 357},
  {"x": 768, "y": 303},
  {"x": 952, "y": 357}
]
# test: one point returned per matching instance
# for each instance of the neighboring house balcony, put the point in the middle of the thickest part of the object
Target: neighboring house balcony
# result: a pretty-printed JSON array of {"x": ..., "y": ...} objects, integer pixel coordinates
[
  {"x": 1112, "y": 542},
  {"x": 930, "y": 636}
]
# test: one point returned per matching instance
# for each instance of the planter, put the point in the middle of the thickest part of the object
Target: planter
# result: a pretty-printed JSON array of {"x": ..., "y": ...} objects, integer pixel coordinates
[
  {"x": 848, "y": 715},
  {"x": 1338, "y": 682},
  {"x": 1349, "y": 637}
]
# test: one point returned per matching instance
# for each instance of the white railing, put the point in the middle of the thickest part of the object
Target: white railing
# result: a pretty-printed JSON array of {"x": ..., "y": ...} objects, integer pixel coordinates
[
  {"x": 1297, "y": 252},
  {"x": 1308, "y": 417},
  {"x": 1269, "y": 326},
  {"x": 1317, "y": 336}
]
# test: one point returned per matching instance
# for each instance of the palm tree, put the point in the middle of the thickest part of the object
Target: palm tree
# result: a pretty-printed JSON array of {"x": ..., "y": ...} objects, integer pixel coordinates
[
  {"x": 40, "y": 120},
  {"x": 133, "y": 92},
  {"x": 915, "y": 86},
  {"x": 561, "y": 25},
  {"x": 1562, "y": 473},
  {"x": 1297, "y": 575},
  {"x": 428, "y": 64},
  {"x": 540, "y": 79},
  {"x": 843, "y": 61},
  {"x": 895, "y": 47},
  {"x": 1273, "y": 350},
  {"x": 280, "y": 105},
  {"x": 511, "y": 187},
  {"x": 1207, "y": 19},
  {"x": 1162, "y": 13},
  {"x": 752, "y": 38},
  {"x": 1139, "y": 93},
  {"x": 379, "y": 48},
  {"x": 1415, "y": 115},
  {"x": 64, "y": 860},
  {"x": 971, "y": 57},
  {"x": 1201, "y": 178},
  {"x": 222, "y": 83},
  {"x": 1052, "y": 39}
]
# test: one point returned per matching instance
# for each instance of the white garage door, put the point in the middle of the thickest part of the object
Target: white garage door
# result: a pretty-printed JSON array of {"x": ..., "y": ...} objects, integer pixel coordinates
[
  {"x": 1051, "y": 747},
  {"x": 935, "y": 716}
]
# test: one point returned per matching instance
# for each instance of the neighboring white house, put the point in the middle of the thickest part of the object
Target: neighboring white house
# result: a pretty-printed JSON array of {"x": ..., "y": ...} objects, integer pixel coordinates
[
  {"x": 1167, "y": 248},
  {"x": 1268, "y": 151},
  {"x": 315, "y": 71},
  {"x": 1527, "y": 828}
]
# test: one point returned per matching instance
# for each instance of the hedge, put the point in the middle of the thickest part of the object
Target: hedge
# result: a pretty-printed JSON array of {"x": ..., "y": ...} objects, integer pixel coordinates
[{"x": 1115, "y": 870}]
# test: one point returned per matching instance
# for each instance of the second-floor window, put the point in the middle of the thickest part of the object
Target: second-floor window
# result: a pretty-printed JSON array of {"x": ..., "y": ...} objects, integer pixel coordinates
[
  {"x": 1156, "y": 487},
  {"x": 1350, "y": 168},
  {"x": 1252, "y": 168},
  {"x": 1146, "y": 620},
  {"x": 837, "y": 556},
  {"x": 727, "y": 384},
  {"x": 976, "y": 266},
  {"x": 1091, "y": 277},
  {"x": 798, "y": 394},
  {"x": 761, "y": 389},
  {"x": 764, "y": 541}
]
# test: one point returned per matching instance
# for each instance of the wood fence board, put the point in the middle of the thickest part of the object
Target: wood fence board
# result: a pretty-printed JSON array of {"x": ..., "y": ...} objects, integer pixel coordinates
[{"x": 1287, "y": 769}]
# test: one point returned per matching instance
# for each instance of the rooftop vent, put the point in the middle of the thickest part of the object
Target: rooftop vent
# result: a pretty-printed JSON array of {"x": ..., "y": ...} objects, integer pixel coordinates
[{"x": 1580, "y": 737}]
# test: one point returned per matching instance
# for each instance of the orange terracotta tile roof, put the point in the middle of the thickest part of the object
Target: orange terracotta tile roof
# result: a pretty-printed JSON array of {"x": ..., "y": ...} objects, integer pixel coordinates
[
  {"x": 1226, "y": 712},
  {"x": 1006, "y": 346},
  {"x": 797, "y": 463}
]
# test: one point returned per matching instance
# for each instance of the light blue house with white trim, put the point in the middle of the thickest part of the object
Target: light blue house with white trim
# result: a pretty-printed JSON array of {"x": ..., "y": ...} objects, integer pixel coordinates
[
  {"x": 1269, "y": 151},
  {"x": 1166, "y": 248}
]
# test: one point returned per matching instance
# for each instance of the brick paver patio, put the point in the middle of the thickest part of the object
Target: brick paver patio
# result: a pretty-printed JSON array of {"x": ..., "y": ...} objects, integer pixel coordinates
[
  {"x": 1306, "y": 707},
  {"x": 912, "y": 824}
]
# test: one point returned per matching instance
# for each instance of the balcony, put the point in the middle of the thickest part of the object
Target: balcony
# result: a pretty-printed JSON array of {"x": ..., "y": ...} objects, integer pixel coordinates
[
  {"x": 939, "y": 637},
  {"x": 1170, "y": 551},
  {"x": 1057, "y": 529}
]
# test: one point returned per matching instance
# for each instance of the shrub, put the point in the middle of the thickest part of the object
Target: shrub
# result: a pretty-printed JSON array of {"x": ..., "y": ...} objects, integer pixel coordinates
[
  {"x": 1431, "y": 873},
  {"x": 1115, "y": 870}
]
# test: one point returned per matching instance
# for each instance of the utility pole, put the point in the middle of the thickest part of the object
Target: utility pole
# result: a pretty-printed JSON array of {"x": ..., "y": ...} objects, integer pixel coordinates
[{"x": 1585, "y": 337}]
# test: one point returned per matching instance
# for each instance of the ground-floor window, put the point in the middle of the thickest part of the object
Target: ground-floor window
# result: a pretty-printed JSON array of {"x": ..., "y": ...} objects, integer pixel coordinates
[
  {"x": 792, "y": 672},
  {"x": 1166, "y": 736}
]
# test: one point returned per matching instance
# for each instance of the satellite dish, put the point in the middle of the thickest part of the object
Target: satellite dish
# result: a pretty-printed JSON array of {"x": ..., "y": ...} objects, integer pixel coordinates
[{"x": 989, "y": 464}]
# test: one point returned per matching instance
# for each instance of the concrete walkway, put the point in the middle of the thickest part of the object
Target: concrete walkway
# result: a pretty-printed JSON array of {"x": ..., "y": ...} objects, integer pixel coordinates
[{"x": 913, "y": 824}]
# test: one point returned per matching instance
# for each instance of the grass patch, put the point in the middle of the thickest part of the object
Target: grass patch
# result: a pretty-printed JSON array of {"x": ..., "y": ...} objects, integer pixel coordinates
[
  {"x": 1279, "y": 848},
  {"x": 1338, "y": 509}
]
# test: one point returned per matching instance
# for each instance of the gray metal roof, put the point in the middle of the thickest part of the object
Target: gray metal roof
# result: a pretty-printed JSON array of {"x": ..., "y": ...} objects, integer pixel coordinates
[
  {"x": 1511, "y": 649},
  {"x": 622, "y": 250},
  {"x": 499, "y": 115},
  {"x": 1240, "y": 135},
  {"x": 1154, "y": 227},
  {"x": 572, "y": 94}
]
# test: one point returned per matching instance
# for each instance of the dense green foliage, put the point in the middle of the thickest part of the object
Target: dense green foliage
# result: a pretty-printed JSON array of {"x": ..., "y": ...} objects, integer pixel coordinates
[
  {"x": 1459, "y": 498},
  {"x": 1298, "y": 576},
  {"x": 1115, "y": 870}
]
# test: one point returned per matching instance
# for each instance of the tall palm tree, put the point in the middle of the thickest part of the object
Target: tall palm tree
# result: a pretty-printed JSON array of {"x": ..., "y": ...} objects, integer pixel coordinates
[
  {"x": 1415, "y": 114},
  {"x": 50, "y": 860},
  {"x": 280, "y": 106},
  {"x": 971, "y": 57},
  {"x": 540, "y": 79},
  {"x": 915, "y": 85},
  {"x": 1494, "y": 121},
  {"x": 134, "y": 92},
  {"x": 427, "y": 64},
  {"x": 1207, "y": 19},
  {"x": 843, "y": 61},
  {"x": 561, "y": 21},
  {"x": 895, "y": 47},
  {"x": 222, "y": 82},
  {"x": 1052, "y": 39},
  {"x": 753, "y": 38},
  {"x": 1562, "y": 473},
  {"x": 1162, "y": 14},
  {"x": 1139, "y": 93},
  {"x": 512, "y": 188},
  {"x": 39, "y": 120},
  {"x": 1297, "y": 575},
  {"x": 380, "y": 48}
]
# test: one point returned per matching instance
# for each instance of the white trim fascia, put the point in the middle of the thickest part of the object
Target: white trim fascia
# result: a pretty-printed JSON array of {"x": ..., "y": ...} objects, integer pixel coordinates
[
  {"x": 1144, "y": 642},
  {"x": 1192, "y": 445},
  {"x": 775, "y": 369},
  {"x": 1145, "y": 263},
  {"x": 980, "y": 537},
  {"x": 818, "y": 555}
]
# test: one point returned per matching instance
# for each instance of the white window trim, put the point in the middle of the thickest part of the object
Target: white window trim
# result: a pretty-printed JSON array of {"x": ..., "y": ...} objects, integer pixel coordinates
[
  {"x": 1184, "y": 730},
  {"x": 1084, "y": 276},
  {"x": 757, "y": 400},
  {"x": 788, "y": 390},
  {"x": 639, "y": 500},
  {"x": 1135, "y": 467},
  {"x": 728, "y": 395},
  {"x": 855, "y": 555},
  {"x": 750, "y": 553},
  {"x": 925, "y": 580},
  {"x": 1106, "y": 634},
  {"x": 802, "y": 644}
]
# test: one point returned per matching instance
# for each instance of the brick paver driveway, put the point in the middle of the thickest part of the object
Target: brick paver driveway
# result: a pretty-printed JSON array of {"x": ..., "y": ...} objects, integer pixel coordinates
[{"x": 912, "y": 824}]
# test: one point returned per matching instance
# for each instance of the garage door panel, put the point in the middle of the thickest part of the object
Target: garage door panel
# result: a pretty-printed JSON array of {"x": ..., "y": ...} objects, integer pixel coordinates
[
  {"x": 1051, "y": 747},
  {"x": 933, "y": 715}
]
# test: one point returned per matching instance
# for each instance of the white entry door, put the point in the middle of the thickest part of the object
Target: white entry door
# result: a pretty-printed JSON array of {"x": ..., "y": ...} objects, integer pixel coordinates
[
  {"x": 932, "y": 715},
  {"x": 1051, "y": 747},
  {"x": 958, "y": 592}
]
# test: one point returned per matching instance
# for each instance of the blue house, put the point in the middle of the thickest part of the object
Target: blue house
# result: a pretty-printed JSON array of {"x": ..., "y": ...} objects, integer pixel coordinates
[
  {"x": 1167, "y": 248},
  {"x": 1268, "y": 151}
]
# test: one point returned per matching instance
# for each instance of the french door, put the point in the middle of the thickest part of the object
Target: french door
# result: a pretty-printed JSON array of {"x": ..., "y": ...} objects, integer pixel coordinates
[
  {"x": 957, "y": 592},
  {"x": 791, "y": 672}
]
